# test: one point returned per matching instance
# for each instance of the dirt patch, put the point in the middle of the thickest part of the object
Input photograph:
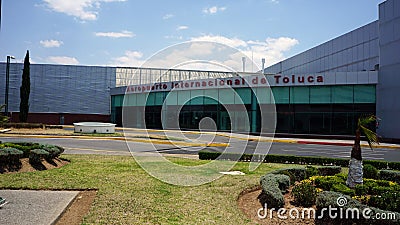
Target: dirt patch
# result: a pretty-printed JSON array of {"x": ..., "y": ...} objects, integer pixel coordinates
[
  {"x": 78, "y": 208},
  {"x": 25, "y": 166},
  {"x": 249, "y": 204}
]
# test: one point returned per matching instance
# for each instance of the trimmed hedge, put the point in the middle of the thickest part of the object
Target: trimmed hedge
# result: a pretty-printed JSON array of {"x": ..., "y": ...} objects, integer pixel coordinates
[
  {"x": 311, "y": 171},
  {"x": 361, "y": 189},
  {"x": 292, "y": 159},
  {"x": 26, "y": 147},
  {"x": 53, "y": 127},
  {"x": 327, "y": 182},
  {"x": 287, "y": 173},
  {"x": 393, "y": 166},
  {"x": 342, "y": 188},
  {"x": 389, "y": 200},
  {"x": 328, "y": 199},
  {"x": 24, "y": 125},
  {"x": 10, "y": 155},
  {"x": 283, "y": 182},
  {"x": 272, "y": 187},
  {"x": 54, "y": 151},
  {"x": 390, "y": 175},
  {"x": 370, "y": 171},
  {"x": 298, "y": 173},
  {"x": 36, "y": 156},
  {"x": 12, "y": 152},
  {"x": 329, "y": 170}
]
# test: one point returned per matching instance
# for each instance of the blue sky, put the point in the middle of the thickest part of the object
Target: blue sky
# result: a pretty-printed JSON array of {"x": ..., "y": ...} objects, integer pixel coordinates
[{"x": 127, "y": 32}]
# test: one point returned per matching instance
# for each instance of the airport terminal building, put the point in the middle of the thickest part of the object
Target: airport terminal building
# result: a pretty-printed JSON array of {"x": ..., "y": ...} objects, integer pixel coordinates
[{"x": 320, "y": 91}]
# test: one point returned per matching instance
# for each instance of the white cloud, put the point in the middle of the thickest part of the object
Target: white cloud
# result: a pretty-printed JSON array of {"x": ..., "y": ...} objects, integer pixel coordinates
[
  {"x": 82, "y": 9},
  {"x": 213, "y": 52},
  {"x": 213, "y": 10},
  {"x": 233, "y": 42},
  {"x": 51, "y": 43},
  {"x": 65, "y": 60},
  {"x": 123, "y": 34},
  {"x": 168, "y": 16},
  {"x": 131, "y": 58},
  {"x": 173, "y": 37},
  {"x": 182, "y": 28}
]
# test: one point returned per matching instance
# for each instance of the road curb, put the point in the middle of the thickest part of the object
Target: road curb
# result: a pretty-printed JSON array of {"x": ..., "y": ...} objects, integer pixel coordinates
[
  {"x": 323, "y": 143},
  {"x": 344, "y": 144}
]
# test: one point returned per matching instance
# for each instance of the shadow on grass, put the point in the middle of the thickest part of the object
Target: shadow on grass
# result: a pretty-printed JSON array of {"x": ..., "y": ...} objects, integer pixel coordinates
[
  {"x": 51, "y": 162},
  {"x": 38, "y": 166}
]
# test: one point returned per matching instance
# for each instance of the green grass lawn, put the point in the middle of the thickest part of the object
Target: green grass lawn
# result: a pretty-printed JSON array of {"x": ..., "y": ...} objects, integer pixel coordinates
[{"x": 128, "y": 195}]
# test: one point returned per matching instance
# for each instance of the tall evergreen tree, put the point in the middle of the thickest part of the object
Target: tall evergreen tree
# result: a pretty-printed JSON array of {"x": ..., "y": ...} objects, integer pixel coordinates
[{"x": 25, "y": 90}]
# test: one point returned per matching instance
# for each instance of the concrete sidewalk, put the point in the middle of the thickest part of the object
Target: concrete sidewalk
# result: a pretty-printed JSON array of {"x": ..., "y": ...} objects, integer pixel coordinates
[{"x": 27, "y": 207}]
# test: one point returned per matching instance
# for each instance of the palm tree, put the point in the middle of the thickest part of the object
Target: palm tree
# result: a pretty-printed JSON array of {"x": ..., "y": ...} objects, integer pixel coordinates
[{"x": 355, "y": 175}]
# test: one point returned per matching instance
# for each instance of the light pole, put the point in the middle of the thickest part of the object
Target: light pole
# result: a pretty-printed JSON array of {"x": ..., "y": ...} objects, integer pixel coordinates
[{"x": 7, "y": 81}]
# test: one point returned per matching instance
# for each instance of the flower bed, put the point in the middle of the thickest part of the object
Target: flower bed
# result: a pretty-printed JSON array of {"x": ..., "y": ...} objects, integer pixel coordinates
[{"x": 376, "y": 201}]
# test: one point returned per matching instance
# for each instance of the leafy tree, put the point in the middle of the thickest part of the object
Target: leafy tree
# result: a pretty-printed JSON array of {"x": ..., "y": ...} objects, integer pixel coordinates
[
  {"x": 355, "y": 167},
  {"x": 25, "y": 90}
]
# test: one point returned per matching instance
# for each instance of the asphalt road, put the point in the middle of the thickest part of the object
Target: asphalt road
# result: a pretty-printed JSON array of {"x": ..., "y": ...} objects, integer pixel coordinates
[{"x": 115, "y": 147}]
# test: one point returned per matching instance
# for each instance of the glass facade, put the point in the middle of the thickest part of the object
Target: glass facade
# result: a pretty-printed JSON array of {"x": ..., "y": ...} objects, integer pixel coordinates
[{"x": 299, "y": 109}]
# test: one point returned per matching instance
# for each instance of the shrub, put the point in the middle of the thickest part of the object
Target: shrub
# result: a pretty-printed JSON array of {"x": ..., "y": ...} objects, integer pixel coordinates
[
  {"x": 206, "y": 155},
  {"x": 328, "y": 199},
  {"x": 380, "y": 190},
  {"x": 386, "y": 201},
  {"x": 383, "y": 183},
  {"x": 370, "y": 171},
  {"x": 329, "y": 170},
  {"x": 283, "y": 182},
  {"x": 341, "y": 176},
  {"x": 36, "y": 156},
  {"x": 26, "y": 147},
  {"x": 271, "y": 193},
  {"x": 311, "y": 171},
  {"x": 326, "y": 182},
  {"x": 361, "y": 189},
  {"x": 370, "y": 184},
  {"x": 342, "y": 188},
  {"x": 61, "y": 149},
  {"x": 304, "y": 194},
  {"x": 52, "y": 150},
  {"x": 24, "y": 125},
  {"x": 394, "y": 165},
  {"x": 363, "y": 199},
  {"x": 292, "y": 178},
  {"x": 298, "y": 173},
  {"x": 390, "y": 175},
  {"x": 53, "y": 127},
  {"x": 377, "y": 164},
  {"x": 10, "y": 155}
]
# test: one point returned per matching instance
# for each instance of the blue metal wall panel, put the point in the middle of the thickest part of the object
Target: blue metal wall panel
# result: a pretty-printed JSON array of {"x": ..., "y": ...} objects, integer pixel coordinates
[
  {"x": 345, "y": 53},
  {"x": 62, "y": 89}
]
